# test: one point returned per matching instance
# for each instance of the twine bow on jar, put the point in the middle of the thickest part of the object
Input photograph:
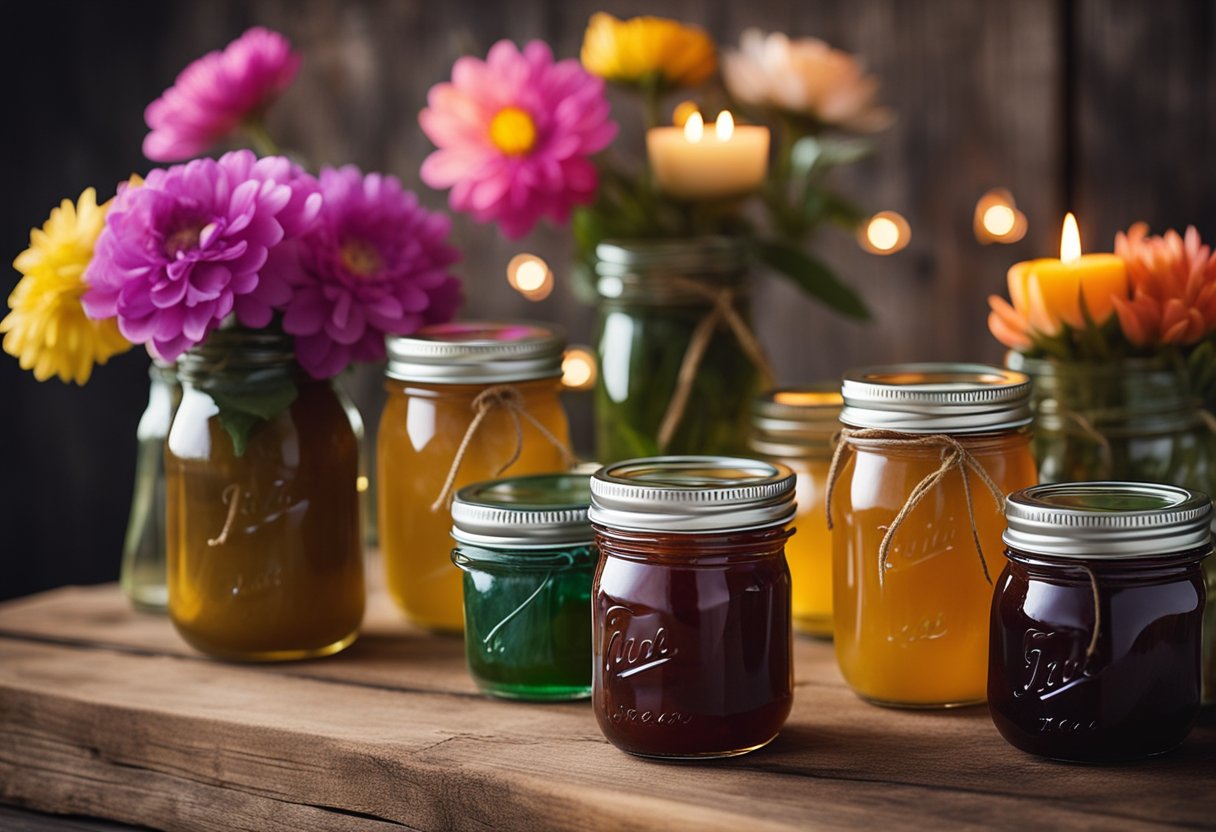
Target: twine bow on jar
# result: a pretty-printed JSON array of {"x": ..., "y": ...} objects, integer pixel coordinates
[
  {"x": 954, "y": 456},
  {"x": 506, "y": 397}
]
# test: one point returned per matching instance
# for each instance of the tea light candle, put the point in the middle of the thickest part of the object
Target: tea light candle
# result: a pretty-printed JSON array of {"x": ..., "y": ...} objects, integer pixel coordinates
[{"x": 700, "y": 161}]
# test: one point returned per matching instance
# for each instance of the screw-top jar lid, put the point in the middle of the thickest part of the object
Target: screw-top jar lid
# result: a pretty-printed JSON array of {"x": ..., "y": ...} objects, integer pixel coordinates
[
  {"x": 543, "y": 511},
  {"x": 477, "y": 352},
  {"x": 936, "y": 398},
  {"x": 692, "y": 494},
  {"x": 796, "y": 421},
  {"x": 1106, "y": 520}
]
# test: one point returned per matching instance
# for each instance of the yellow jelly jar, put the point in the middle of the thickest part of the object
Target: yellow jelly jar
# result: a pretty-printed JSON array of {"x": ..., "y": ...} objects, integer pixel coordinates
[
  {"x": 795, "y": 426},
  {"x": 467, "y": 401},
  {"x": 927, "y": 454}
]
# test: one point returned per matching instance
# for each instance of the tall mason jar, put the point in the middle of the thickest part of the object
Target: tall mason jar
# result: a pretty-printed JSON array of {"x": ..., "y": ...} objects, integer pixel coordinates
[
  {"x": 1134, "y": 420},
  {"x": 265, "y": 560},
  {"x": 655, "y": 297}
]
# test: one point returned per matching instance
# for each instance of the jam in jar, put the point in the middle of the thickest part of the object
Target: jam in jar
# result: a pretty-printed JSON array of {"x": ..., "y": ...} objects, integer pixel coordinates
[
  {"x": 1097, "y": 618},
  {"x": 691, "y": 629}
]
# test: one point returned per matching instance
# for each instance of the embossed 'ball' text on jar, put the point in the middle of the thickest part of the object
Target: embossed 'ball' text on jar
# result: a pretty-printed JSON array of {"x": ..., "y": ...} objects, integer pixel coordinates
[
  {"x": 467, "y": 401},
  {"x": 926, "y": 456},
  {"x": 691, "y": 605},
  {"x": 1097, "y": 618}
]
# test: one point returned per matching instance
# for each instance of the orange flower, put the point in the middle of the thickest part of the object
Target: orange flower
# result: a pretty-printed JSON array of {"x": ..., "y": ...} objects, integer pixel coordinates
[{"x": 1173, "y": 279}]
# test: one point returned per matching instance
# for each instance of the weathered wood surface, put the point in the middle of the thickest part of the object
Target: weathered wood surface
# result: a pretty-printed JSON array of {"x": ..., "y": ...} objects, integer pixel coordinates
[{"x": 104, "y": 712}]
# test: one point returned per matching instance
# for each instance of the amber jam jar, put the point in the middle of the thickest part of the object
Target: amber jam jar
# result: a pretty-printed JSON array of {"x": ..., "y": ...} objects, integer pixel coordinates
[
  {"x": 487, "y": 392},
  {"x": 1097, "y": 620},
  {"x": 927, "y": 454},
  {"x": 795, "y": 426},
  {"x": 691, "y": 630}
]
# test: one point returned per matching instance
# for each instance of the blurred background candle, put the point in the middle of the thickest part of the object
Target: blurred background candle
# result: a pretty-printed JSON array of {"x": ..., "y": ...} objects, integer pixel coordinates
[{"x": 707, "y": 161}]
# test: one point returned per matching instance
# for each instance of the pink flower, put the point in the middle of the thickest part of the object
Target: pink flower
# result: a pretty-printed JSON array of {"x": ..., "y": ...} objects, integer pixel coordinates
[
  {"x": 375, "y": 264},
  {"x": 213, "y": 95},
  {"x": 185, "y": 249},
  {"x": 514, "y": 134}
]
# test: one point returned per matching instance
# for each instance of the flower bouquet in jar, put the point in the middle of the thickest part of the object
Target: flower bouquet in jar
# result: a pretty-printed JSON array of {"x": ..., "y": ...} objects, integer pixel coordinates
[{"x": 665, "y": 236}]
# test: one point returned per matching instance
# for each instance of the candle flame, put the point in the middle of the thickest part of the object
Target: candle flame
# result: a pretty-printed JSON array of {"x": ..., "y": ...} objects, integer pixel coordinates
[
  {"x": 724, "y": 126},
  {"x": 694, "y": 128},
  {"x": 1070, "y": 240},
  {"x": 578, "y": 369},
  {"x": 886, "y": 233}
]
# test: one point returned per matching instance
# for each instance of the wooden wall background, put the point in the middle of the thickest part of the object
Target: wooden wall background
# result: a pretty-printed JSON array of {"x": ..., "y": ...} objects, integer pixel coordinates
[{"x": 1107, "y": 107}]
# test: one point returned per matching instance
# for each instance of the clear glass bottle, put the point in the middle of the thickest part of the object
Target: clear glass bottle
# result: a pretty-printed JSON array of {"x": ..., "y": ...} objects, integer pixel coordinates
[
  {"x": 795, "y": 426},
  {"x": 435, "y": 379},
  {"x": 654, "y": 294},
  {"x": 265, "y": 560},
  {"x": 911, "y": 625},
  {"x": 143, "y": 554}
]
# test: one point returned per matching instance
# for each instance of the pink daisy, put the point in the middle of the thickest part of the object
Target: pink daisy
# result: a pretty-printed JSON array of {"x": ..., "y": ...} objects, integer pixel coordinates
[{"x": 514, "y": 134}]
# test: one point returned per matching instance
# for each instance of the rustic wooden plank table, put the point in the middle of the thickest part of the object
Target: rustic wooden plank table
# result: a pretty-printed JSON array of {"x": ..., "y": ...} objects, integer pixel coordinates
[{"x": 105, "y": 712}]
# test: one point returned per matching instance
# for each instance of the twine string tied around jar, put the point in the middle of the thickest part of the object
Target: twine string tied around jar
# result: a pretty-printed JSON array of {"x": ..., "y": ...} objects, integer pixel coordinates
[
  {"x": 723, "y": 312},
  {"x": 506, "y": 397},
  {"x": 954, "y": 456}
]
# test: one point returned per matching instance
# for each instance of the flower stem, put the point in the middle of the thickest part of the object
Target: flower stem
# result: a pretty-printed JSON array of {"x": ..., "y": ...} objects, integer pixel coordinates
[{"x": 262, "y": 143}]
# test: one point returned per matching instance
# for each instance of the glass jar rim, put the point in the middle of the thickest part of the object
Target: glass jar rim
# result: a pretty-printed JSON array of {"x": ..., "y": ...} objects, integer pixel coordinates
[
  {"x": 539, "y": 511},
  {"x": 477, "y": 352},
  {"x": 935, "y": 397},
  {"x": 796, "y": 421},
  {"x": 564, "y": 556}
]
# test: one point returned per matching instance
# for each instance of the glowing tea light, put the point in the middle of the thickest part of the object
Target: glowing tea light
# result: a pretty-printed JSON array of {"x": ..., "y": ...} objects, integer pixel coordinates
[
  {"x": 530, "y": 276},
  {"x": 361, "y": 483},
  {"x": 694, "y": 128},
  {"x": 885, "y": 233},
  {"x": 578, "y": 368},
  {"x": 997, "y": 219},
  {"x": 708, "y": 161}
]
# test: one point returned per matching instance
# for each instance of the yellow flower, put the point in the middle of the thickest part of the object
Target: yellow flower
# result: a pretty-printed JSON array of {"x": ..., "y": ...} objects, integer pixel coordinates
[
  {"x": 46, "y": 328},
  {"x": 643, "y": 48}
]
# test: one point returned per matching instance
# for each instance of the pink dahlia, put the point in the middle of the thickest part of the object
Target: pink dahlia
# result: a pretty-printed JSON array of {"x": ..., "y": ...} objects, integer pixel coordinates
[
  {"x": 514, "y": 134},
  {"x": 185, "y": 249},
  {"x": 376, "y": 263},
  {"x": 215, "y": 94}
]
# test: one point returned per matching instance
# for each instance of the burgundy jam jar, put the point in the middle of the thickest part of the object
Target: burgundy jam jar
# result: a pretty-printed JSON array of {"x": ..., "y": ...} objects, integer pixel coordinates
[
  {"x": 691, "y": 628},
  {"x": 1096, "y": 620}
]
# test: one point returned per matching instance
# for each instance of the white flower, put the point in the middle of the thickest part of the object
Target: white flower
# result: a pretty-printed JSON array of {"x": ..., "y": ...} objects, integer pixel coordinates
[{"x": 804, "y": 76}]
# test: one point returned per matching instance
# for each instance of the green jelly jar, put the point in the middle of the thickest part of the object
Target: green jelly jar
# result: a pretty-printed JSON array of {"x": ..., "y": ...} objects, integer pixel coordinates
[{"x": 527, "y": 552}]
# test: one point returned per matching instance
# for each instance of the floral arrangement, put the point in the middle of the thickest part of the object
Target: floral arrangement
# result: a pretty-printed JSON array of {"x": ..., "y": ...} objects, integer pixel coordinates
[
  {"x": 336, "y": 261},
  {"x": 521, "y": 136}
]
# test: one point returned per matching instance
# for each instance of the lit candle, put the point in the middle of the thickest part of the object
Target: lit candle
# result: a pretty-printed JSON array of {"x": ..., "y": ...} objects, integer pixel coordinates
[{"x": 700, "y": 161}]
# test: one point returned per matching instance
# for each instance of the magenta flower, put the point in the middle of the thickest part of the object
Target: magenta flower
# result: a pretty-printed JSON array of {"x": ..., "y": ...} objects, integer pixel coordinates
[
  {"x": 186, "y": 248},
  {"x": 514, "y": 134},
  {"x": 213, "y": 95},
  {"x": 376, "y": 263}
]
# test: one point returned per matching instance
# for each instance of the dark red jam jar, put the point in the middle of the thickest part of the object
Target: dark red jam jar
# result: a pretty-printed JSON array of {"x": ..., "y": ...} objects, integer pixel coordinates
[
  {"x": 1097, "y": 618},
  {"x": 691, "y": 628}
]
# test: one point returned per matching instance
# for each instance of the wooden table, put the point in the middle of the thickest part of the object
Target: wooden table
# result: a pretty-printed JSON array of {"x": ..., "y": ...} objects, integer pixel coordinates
[{"x": 104, "y": 712}]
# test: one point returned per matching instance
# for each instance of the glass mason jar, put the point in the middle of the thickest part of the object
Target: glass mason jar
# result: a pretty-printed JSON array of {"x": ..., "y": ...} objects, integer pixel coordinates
[
  {"x": 1096, "y": 620},
  {"x": 526, "y": 549},
  {"x": 265, "y": 560},
  {"x": 654, "y": 297},
  {"x": 795, "y": 426},
  {"x": 1135, "y": 420},
  {"x": 691, "y": 624},
  {"x": 143, "y": 553},
  {"x": 467, "y": 402},
  {"x": 928, "y": 453}
]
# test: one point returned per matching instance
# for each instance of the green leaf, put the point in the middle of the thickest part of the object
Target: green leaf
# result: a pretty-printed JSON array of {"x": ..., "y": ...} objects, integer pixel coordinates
[
  {"x": 238, "y": 424},
  {"x": 813, "y": 277},
  {"x": 813, "y": 156},
  {"x": 244, "y": 404}
]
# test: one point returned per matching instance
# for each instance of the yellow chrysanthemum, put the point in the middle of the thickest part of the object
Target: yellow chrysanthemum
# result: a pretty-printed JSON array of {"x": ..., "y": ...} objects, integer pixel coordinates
[
  {"x": 643, "y": 48},
  {"x": 46, "y": 329}
]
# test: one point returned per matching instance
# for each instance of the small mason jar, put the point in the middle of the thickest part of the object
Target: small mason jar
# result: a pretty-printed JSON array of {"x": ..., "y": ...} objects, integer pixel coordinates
[
  {"x": 654, "y": 296},
  {"x": 527, "y": 552},
  {"x": 467, "y": 402},
  {"x": 1096, "y": 620},
  {"x": 691, "y": 620},
  {"x": 927, "y": 454},
  {"x": 795, "y": 426},
  {"x": 265, "y": 559}
]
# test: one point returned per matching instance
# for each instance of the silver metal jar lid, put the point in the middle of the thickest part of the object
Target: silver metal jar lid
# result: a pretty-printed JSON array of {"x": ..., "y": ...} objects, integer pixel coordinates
[
  {"x": 1106, "y": 520},
  {"x": 796, "y": 421},
  {"x": 692, "y": 494},
  {"x": 477, "y": 352},
  {"x": 535, "y": 512},
  {"x": 936, "y": 398}
]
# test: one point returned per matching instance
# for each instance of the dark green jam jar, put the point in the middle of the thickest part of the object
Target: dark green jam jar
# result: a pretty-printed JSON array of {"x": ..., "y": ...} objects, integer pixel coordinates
[{"x": 527, "y": 552}]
